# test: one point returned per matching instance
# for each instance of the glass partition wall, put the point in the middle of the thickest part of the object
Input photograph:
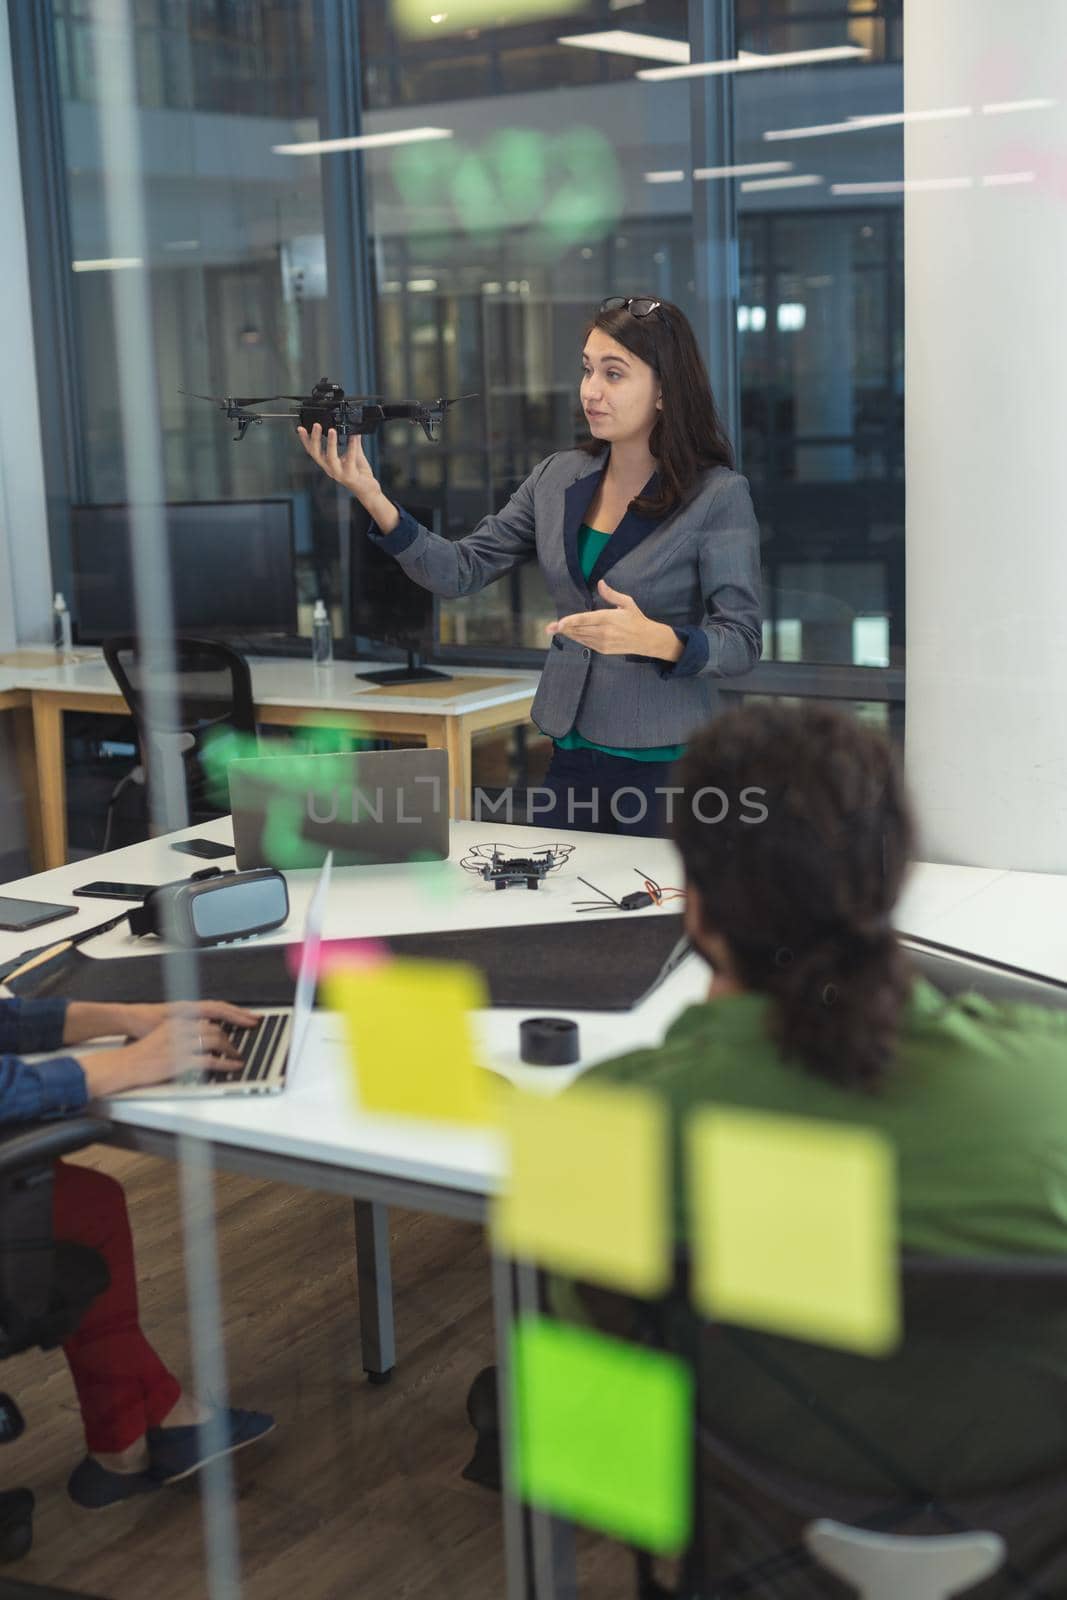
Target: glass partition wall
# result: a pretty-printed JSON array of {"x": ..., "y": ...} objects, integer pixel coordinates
[
  {"x": 554, "y": 174},
  {"x": 490, "y": 173}
]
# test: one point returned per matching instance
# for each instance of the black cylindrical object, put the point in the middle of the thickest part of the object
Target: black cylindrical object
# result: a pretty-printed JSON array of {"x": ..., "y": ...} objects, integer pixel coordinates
[{"x": 548, "y": 1041}]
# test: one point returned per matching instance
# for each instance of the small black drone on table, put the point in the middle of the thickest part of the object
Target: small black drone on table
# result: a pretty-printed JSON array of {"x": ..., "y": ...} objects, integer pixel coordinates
[
  {"x": 330, "y": 407},
  {"x": 489, "y": 861}
]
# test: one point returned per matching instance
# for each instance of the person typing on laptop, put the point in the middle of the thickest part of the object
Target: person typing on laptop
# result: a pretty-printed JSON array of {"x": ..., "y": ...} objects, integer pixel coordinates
[{"x": 141, "y": 1429}]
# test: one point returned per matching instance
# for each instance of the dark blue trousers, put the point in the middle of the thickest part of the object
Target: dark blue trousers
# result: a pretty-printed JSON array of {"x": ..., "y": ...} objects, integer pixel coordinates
[{"x": 598, "y": 793}]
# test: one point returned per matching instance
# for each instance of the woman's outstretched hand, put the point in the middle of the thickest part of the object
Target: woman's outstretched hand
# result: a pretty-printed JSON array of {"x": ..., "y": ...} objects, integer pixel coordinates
[
  {"x": 622, "y": 631},
  {"x": 352, "y": 471}
]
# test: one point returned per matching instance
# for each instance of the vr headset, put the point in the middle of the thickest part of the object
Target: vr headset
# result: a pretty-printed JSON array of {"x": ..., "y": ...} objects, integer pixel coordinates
[{"x": 231, "y": 905}]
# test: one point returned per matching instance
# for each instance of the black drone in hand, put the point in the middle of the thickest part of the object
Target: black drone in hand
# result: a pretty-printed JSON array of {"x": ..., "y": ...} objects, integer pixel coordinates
[{"x": 330, "y": 407}]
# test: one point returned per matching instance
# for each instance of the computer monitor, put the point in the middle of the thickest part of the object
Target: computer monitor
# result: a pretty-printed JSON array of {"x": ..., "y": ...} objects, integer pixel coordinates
[
  {"x": 231, "y": 568},
  {"x": 386, "y": 606}
]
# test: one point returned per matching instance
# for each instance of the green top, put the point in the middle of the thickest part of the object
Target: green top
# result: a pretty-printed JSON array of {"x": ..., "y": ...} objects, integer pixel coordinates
[
  {"x": 991, "y": 1180},
  {"x": 975, "y": 1107},
  {"x": 590, "y": 543}
]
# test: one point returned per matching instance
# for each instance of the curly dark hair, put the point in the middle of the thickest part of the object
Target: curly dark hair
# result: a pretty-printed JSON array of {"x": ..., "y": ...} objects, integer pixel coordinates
[
  {"x": 803, "y": 895},
  {"x": 688, "y": 436}
]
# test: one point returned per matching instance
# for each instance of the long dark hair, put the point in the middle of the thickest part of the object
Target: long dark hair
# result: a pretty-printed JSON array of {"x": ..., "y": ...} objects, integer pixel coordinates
[
  {"x": 688, "y": 436},
  {"x": 802, "y": 896}
]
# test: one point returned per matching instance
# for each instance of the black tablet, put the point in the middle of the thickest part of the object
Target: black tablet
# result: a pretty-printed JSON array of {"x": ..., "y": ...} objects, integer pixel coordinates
[{"x": 17, "y": 915}]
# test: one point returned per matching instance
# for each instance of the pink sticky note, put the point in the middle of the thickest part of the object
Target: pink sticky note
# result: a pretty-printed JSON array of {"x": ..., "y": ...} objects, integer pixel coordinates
[{"x": 329, "y": 954}]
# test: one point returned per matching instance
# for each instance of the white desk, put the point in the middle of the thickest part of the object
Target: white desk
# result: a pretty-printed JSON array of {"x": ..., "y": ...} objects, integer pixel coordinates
[
  {"x": 37, "y": 691},
  {"x": 314, "y": 1134},
  {"x": 1018, "y": 918}
]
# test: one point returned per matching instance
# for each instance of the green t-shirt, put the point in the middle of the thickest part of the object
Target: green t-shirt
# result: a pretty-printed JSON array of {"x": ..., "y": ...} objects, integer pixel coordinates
[
  {"x": 975, "y": 1107},
  {"x": 590, "y": 543}
]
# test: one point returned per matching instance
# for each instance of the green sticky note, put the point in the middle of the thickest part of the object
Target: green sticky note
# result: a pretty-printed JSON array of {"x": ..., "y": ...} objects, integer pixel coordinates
[
  {"x": 603, "y": 1432},
  {"x": 587, "y": 1191},
  {"x": 793, "y": 1227}
]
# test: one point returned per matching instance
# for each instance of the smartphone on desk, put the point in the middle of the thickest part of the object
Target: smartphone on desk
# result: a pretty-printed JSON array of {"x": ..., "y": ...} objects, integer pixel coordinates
[
  {"x": 206, "y": 849},
  {"x": 18, "y": 915},
  {"x": 105, "y": 889}
]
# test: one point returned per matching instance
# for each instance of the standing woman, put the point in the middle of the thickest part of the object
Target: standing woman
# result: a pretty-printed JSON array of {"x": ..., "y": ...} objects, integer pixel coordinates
[{"x": 650, "y": 498}]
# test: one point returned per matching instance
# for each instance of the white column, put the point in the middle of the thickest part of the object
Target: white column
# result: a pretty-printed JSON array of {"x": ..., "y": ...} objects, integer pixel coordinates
[
  {"x": 25, "y": 564},
  {"x": 986, "y": 396}
]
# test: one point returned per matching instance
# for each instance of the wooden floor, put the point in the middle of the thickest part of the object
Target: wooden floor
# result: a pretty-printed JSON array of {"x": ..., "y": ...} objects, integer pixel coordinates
[{"x": 358, "y": 1492}]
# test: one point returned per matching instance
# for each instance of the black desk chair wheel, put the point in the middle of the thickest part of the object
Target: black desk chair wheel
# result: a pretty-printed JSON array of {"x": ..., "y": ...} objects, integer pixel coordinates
[
  {"x": 213, "y": 688},
  {"x": 45, "y": 1289}
]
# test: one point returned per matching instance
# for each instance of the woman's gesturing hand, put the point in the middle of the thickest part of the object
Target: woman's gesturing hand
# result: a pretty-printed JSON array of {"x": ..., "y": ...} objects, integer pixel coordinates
[{"x": 622, "y": 631}]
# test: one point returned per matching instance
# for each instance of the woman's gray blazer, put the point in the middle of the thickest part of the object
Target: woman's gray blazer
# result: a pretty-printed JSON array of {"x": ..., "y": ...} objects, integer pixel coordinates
[{"x": 697, "y": 570}]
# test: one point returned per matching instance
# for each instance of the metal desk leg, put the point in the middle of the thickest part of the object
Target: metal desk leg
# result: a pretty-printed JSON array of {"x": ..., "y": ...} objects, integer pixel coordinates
[
  {"x": 516, "y": 1560},
  {"x": 551, "y": 1539},
  {"x": 375, "y": 1278},
  {"x": 540, "y": 1549}
]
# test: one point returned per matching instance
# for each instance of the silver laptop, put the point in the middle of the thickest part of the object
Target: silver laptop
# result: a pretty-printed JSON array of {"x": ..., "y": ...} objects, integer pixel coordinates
[
  {"x": 271, "y": 1050},
  {"x": 368, "y": 807}
]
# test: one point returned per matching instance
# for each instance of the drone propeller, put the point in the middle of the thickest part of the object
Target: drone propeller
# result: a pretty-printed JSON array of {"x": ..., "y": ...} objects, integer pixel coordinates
[
  {"x": 239, "y": 400},
  {"x": 261, "y": 399}
]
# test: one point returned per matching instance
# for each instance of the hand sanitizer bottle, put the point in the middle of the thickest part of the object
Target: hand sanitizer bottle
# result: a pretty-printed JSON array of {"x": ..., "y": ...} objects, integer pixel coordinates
[
  {"x": 321, "y": 636},
  {"x": 64, "y": 639}
]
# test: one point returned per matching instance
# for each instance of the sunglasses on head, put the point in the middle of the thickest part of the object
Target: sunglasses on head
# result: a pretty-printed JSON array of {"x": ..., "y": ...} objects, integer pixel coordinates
[{"x": 636, "y": 307}]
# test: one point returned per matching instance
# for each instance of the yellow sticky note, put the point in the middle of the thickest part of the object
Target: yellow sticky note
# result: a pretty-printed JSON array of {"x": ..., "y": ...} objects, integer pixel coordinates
[
  {"x": 409, "y": 1034},
  {"x": 588, "y": 1190},
  {"x": 793, "y": 1227}
]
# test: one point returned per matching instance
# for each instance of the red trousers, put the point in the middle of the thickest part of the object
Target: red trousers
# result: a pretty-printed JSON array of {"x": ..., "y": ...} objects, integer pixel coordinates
[{"x": 123, "y": 1387}]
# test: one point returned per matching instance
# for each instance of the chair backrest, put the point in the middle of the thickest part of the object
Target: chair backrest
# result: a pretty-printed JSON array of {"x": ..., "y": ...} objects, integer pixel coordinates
[
  {"x": 956, "y": 972},
  {"x": 886, "y": 1567},
  {"x": 212, "y": 689},
  {"x": 963, "y": 1428}
]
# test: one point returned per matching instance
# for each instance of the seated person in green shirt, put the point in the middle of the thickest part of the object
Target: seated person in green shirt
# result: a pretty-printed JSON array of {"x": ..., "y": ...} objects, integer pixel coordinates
[{"x": 813, "y": 1011}]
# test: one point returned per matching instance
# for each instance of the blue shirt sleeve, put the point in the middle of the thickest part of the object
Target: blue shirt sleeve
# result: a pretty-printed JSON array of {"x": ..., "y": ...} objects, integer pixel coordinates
[
  {"x": 31, "y": 1090},
  {"x": 31, "y": 1025},
  {"x": 695, "y": 652},
  {"x": 28, "y": 1090},
  {"x": 404, "y": 534}
]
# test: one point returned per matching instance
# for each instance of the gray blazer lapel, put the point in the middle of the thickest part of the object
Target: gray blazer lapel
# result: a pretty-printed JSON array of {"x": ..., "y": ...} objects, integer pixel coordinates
[
  {"x": 627, "y": 536},
  {"x": 576, "y": 502}
]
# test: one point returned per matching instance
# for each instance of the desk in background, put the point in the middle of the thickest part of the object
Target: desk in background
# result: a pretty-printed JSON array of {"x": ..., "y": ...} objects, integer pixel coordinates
[{"x": 289, "y": 693}]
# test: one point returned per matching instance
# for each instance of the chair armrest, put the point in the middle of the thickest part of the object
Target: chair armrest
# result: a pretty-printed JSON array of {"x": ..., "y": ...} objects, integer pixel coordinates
[{"x": 30, "y": 1144}]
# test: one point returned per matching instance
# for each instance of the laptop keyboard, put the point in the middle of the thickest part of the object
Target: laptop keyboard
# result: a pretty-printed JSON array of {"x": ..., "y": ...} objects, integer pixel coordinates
[{"x": 256, "y": 1047}]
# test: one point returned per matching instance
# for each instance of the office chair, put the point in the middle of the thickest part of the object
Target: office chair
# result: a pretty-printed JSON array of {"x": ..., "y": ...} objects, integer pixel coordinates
[
  {"x": 45, "y": 1288},
  {"x": 213, "y": 686},
  {"x": 907, "y": 1446},
  {"x": 881, "y": 1567}
]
